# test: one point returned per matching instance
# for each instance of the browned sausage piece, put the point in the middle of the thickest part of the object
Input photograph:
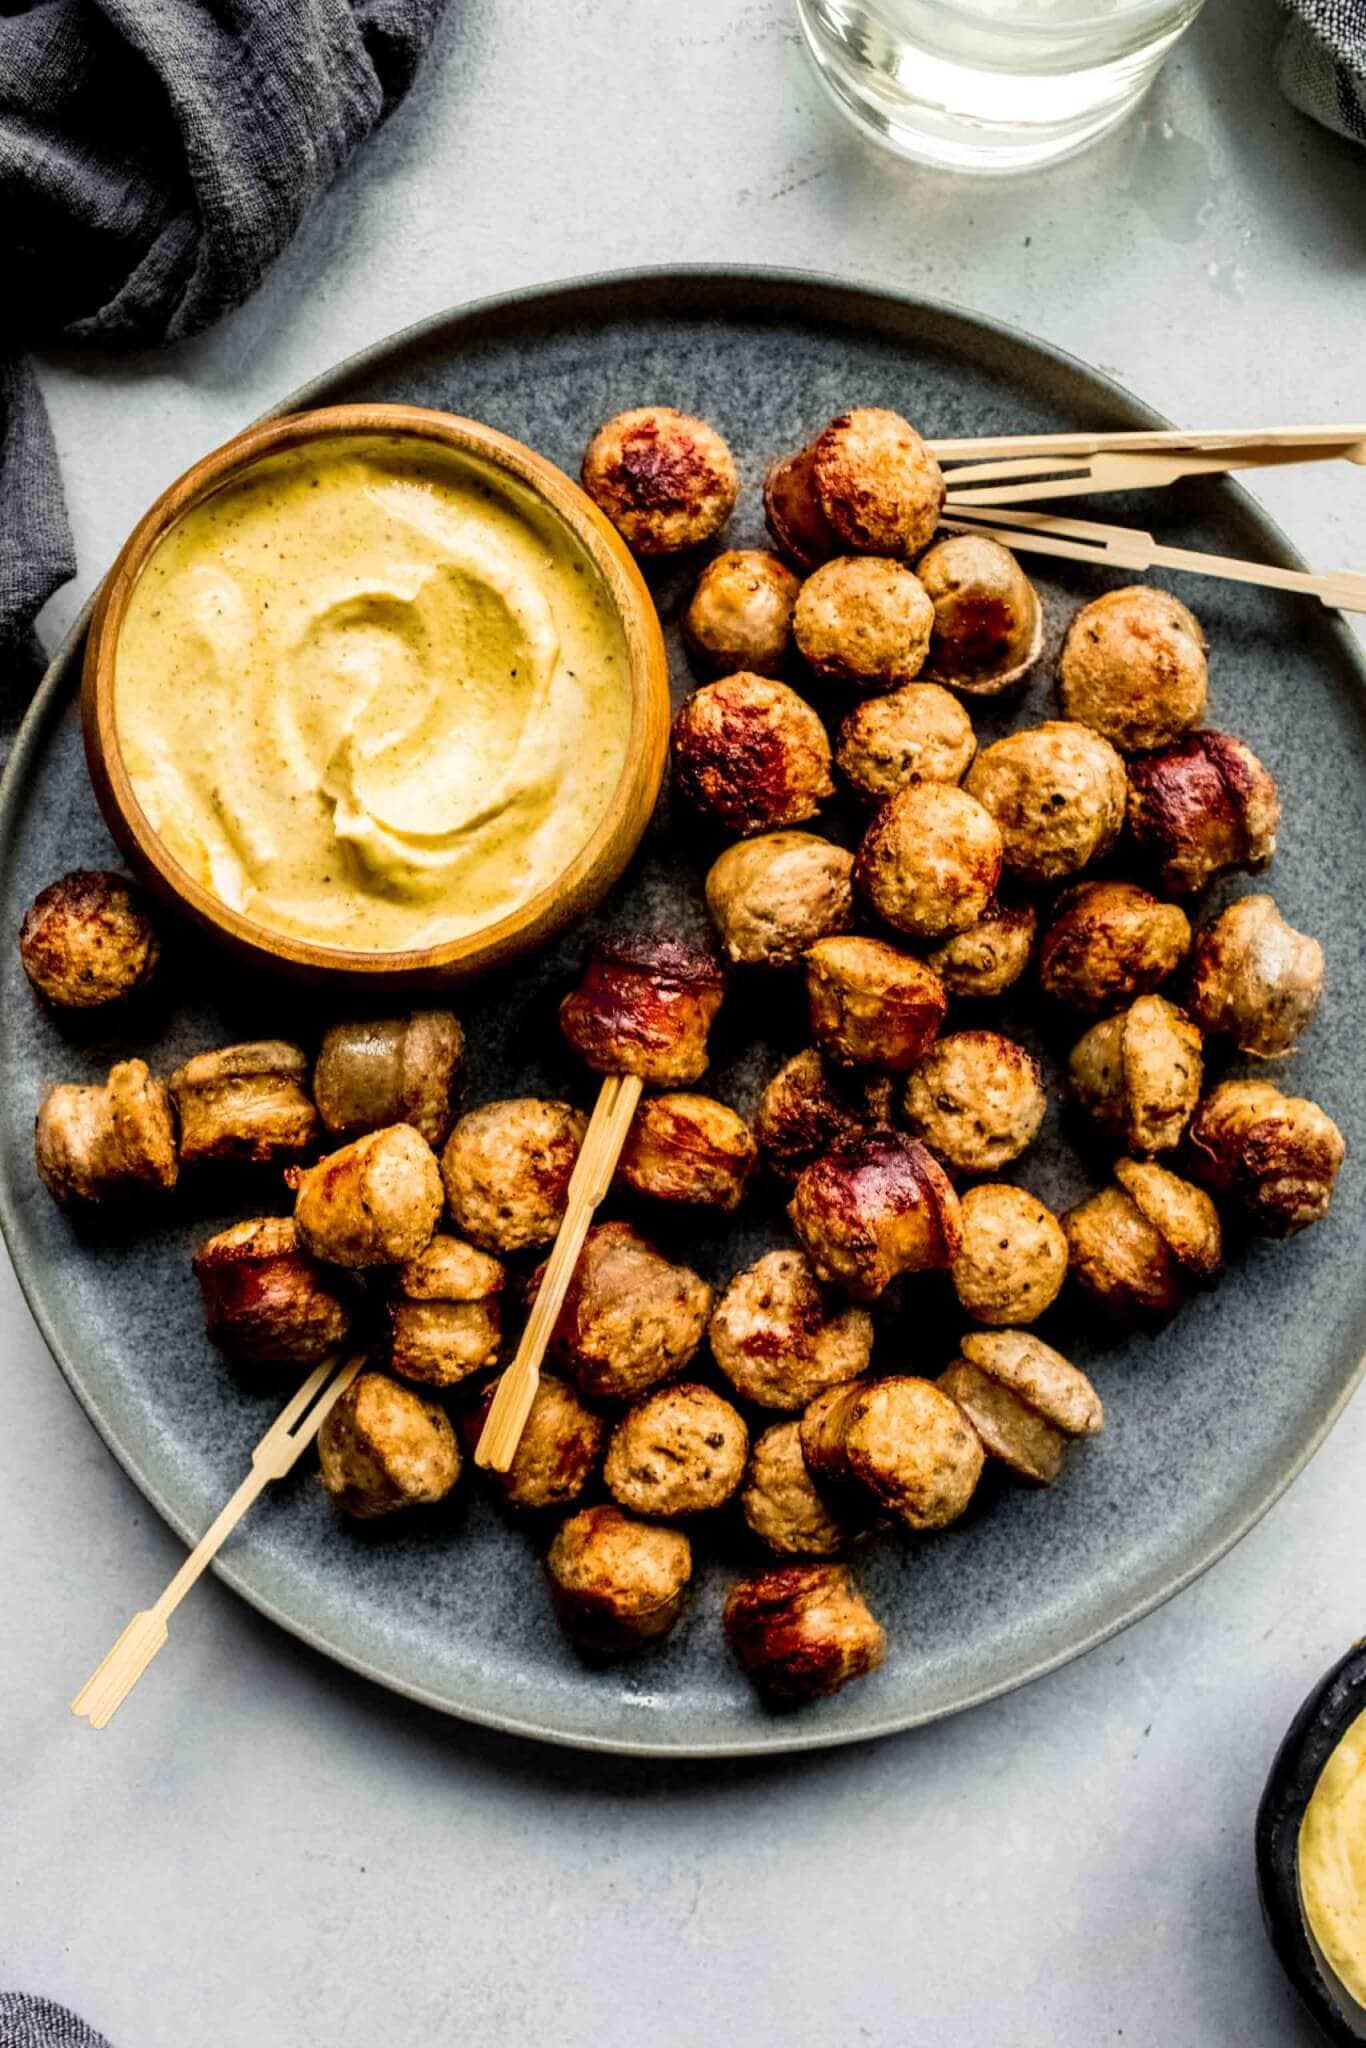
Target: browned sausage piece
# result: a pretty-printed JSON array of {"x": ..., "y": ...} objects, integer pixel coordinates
[
  {"x": 809, "y": 1107},
  {"x": 617, "y": 1584},
  {"x": 665, "y": 478},
  {"x": 872, "y": 1209},
  {"x": 1108, "y": 942},
  {"x": 1138, "y": 1075},
  {"x": 645, "y": 1006},
  {"x": 1276, "y": 1156},
  {"x": 930, "y": 861},
  {"x": 680, "y": 1451},
  {"x": 977, "y": 1100},
  {"x": 802, "y": 1631},
  {"x": 560, "y": 1447},
  {"x": 1201, "y": 808},
  {"x": 631, "y": 1317},
  {"x": 1013, "y": 1257},
  {"x": 905, "y": 1443},
  {"x": 740, "y": 616},
  {"x": 751, "y": 753},
  {"x": 383, "y": 1447},
  {"x": 771, "y": 898},
  {"x": 990, "y": 956},
  {"x": 872, "y": 1005},
  {"x": 1024, "y": 1400},
  {"x": 444, "y": 1319},
  {"x": 988, "y": 622},
  {"x": 87, "y": 940},
  {"x": 780, "y": 1502},
  {"x": 374, "y": 1203},
  {"x": 1057, "y": 791},
  {"x": 781, "y": 1338},
  {"x": 877, "y": 483},
  {"x": 506, "y": 1169},
  {"x": 793, "y": 514},
  {"x": 245, "y": 1105},
  {"x": 1133, "y": 668},
  {"x": 265, "y": 1300},
  {"x": 390, "y": 1070},
  {"x": 1142, "y": 1247},
  {"x": 865, "y": 621},
  {"x": 1255, "y": 979},
  {"x": 688, "y": 1148},
  {"x": 92, "y": 1143}
]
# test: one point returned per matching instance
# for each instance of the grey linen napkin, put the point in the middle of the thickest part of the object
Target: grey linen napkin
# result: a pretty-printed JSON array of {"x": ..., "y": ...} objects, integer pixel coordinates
[
  {"x": 29, "y": 2022},
  {"x": 1321, "y": 63},
  {"x": 155, "y": 157}
]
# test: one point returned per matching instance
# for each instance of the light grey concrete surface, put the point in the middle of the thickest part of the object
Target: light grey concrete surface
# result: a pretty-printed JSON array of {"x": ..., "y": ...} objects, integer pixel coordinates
[{"x": 265, "y": 1852}]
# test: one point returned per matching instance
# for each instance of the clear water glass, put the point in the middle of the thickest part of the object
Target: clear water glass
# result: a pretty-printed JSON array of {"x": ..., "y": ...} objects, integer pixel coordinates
[{"x": 990, "y": 85}]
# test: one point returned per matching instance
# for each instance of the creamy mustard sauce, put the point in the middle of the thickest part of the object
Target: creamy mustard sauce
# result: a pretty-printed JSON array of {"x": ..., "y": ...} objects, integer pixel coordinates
[
  {"x": 1332, "y": 1860},
  {"x": 372, "y": 694}
]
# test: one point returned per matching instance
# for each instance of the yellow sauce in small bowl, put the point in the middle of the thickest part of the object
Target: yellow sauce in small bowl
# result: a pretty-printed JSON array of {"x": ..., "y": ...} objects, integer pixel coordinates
[{"x": 372, "y": 693}]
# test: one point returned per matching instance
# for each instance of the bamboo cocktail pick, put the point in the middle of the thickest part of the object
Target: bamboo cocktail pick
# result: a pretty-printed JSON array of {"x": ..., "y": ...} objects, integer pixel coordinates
[
  {"x": 1017, "y": 479},
  {"x": 618, "y": 1099},
  {"x": 297, "y": 1424}
]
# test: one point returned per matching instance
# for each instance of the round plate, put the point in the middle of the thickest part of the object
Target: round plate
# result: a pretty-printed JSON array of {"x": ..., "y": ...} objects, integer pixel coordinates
[{"x": 1206, "y": 1422}]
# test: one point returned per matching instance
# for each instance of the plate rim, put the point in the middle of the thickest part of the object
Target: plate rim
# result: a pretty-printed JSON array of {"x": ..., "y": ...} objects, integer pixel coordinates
[{"x": 778, "y": 1736}]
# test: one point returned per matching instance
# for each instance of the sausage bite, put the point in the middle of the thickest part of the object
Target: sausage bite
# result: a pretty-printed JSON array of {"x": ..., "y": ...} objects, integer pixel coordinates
[
  {"x": 903, "y": 1441},
  {"x": 265, "y": 1300},
  {"x": 92, "y": 1143},
  {"x": 740, "y": 616},
  {"x": 1108, "y": 942},
  {"x": 781, "y": 1339},
  {"x": 245, "y": 1105},
  {"x": 780, "y": 1502},
  {"x": 1202, "y": 808},
  {"x": 87, "y": 940},
  {"x": 977, "y": 1100},
  {"x": 383, "y": 1447},
  {"x": 680, "y": 1451},
  {"x": 1255, "y": 979},
  {"x": 771, "y": 898},
  {"x": 1138, "y": 1075},
  {"x": 916, "y": 734},
  {"x": 1133, "y": 668},
  {"x": 863, "y": 620},
  {"x": 665, "y": 478},
  {"x": 631, "y": 1317},
  {"x": 644, "y": 1006},
  {"x": 1057, "y": 792},
  {"x": 990, "y": 956},
  {"x": 872, "y": 1209},
  {"x": 374, "y": 1203},
  {"x": 506, "y": 1170},
  {"x": 558, "y": 1452},
  {"x": 793, "y": 514},
  {"x": 988, "y": 622},
  {"x": 1141, "y": 1247},
  {"x": 751, "y": 753},
  {"x": 878, "y": 486},
  {"x": 688, "y": 1148},
  {"x": 930, "y": 861},
  {"x": 809, "y": 1107},
  {"x": 871, "y": 1005},
  {"x": 1276, "y": 1157},
  {"x": 444, "y": 1315},
  {"x": 390, "y": 1070},
  {"x": 1012, "y": 1260},
  {"x": 616, "y": 1583},
  {"x": 1023, "y": 1399},
  {"x": 802, "y": 1631}
]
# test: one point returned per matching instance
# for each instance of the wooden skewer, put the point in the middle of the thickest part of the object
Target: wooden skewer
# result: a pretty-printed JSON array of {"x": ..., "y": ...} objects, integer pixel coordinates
[
  {"x": 991, "y": 483},
  {"x": 597, "y": 1162},
  {"x": 297, "y": 1424},
  {"x": 1125, "y": 547},
  {"x": 990, "y": 446}
]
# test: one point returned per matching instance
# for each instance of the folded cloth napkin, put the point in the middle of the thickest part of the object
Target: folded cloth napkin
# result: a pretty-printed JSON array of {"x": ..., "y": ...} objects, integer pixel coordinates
[
  {"x": 155, "y": 157},
  {"x": 1321, "y": 64},
  {"x": 29, "y": 2022}
]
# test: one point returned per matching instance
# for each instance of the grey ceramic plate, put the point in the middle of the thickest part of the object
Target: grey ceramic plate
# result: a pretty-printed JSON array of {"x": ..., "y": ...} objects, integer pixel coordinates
[{"x": 1206, "y": 1422}]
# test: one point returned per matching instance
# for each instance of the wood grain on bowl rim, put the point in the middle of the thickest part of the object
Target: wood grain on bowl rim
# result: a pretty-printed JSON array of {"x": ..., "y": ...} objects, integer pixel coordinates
[{"x": 579, "y": 886}]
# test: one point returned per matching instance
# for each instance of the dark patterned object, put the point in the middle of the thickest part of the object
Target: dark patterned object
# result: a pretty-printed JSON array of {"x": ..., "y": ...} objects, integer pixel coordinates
[
  {"x": 29, "y": 2022},
  {"x": 1321, "y": 64},
  {"x": 153, "y": 163},
  {"x": 1204, "y": 1422}
]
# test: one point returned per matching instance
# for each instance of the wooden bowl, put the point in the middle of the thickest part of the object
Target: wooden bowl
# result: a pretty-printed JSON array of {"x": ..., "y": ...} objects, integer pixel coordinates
[{"x": 574, "y": 891}]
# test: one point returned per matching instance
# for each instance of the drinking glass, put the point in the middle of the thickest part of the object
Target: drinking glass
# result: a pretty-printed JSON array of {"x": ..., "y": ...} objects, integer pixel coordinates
[{"x": 990, "y": 85}]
